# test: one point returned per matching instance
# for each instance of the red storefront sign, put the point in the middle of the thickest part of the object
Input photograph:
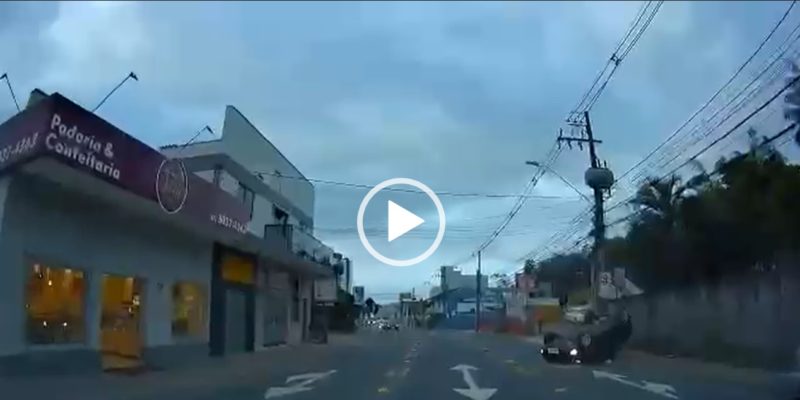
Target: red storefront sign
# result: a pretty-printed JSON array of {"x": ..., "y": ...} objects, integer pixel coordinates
[{"x": 56, "y": 127}]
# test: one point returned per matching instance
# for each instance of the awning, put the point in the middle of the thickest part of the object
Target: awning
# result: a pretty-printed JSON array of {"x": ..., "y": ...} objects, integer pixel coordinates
[{"x": 77, "y": 181}]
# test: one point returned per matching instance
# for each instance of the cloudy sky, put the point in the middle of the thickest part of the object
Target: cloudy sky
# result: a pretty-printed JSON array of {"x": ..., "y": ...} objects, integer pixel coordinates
[{"x": 456, "y": 95}]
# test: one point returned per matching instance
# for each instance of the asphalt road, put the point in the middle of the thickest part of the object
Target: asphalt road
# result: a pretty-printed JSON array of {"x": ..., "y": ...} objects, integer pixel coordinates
[{"x": 419, "y": 365}]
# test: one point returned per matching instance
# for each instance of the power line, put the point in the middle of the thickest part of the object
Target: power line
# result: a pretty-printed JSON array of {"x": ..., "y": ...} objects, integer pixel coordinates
[
  {"x": 739, "y": 106},
  {"x": 702, "y": 151},
  {"x": 592, "y": 94},
  {"x": 614, "y": 60},
  {"x": 619, "y": 58},
  {"x": 438, "y": 193},
  {"x": 716, "y": 94},
  {"x": 572, "y": 228},
  {"x": 775, "y": 96},
  {"x": 716, "y": 170}
]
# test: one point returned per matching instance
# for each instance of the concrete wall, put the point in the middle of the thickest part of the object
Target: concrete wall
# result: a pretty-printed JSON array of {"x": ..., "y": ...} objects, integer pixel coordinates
[
  {"x": 245, "y": 144},
  {"x": 751, "y": 320},
  {"x": 44, "y": 223}
]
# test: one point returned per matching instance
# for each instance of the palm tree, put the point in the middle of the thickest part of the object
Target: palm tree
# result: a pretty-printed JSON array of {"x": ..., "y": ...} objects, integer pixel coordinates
[
  {"x": 660, "y": 198},
  {"x": 759, "y": 149}
]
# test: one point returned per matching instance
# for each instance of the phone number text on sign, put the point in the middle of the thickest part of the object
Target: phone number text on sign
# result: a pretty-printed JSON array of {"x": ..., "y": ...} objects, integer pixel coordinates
[
  {"x": 228, "y": 222},
  {"x": 19, "y": 149}
]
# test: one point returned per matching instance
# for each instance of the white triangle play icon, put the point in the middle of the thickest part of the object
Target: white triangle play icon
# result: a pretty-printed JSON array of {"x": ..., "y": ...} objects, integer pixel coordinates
[{"x": 401, "y": 221}]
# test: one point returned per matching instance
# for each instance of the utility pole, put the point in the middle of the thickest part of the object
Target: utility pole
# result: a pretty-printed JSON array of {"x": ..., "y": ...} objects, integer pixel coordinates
[
  {"x": 478, "y": 295},
  {"x": 598, "y": 178}
]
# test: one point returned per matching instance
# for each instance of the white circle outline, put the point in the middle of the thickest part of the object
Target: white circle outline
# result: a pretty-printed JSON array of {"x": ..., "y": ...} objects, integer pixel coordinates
[
  {"x": 185, "y": 185},
  {"x": 363, "y": 237}
]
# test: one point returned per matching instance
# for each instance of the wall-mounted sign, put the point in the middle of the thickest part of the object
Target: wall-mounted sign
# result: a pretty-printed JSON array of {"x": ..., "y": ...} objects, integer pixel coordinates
[{"x": 58, "y": 128}]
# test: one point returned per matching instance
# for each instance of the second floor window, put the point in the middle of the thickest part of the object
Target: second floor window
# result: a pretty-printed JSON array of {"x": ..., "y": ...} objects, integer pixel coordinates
[
  {"x": 247, "y": 197},
  {"x": 282, "y": 217}
]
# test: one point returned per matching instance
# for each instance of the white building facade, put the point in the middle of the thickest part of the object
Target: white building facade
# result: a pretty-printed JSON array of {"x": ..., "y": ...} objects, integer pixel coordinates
[{"x": 281, "y": 201}]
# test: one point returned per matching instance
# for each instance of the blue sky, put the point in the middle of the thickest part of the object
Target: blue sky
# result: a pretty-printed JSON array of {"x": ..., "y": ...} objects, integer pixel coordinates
[{"x": 457, "y": 95}]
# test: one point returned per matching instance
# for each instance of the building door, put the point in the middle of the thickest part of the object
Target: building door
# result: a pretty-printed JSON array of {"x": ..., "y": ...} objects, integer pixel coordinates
[
  {"x": 235, "y": 321},
  {"x": 276, "y": 318},
  {"x": 120, "y": 323}
]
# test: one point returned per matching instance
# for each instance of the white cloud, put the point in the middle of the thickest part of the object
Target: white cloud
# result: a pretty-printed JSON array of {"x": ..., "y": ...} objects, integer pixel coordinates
[{"x": 92, "y": 45}]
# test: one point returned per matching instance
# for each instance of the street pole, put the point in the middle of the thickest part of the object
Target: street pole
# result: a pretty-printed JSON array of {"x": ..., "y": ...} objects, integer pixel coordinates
[
  {"x": 599, "y": 224},
  {"x": 598, "y": 183},
  {"x": 478, "y": 295}
]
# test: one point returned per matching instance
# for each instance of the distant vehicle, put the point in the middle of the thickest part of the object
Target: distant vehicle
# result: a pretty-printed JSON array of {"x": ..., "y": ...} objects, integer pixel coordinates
[
  {"x": 390, "y": 327},
  {"x": 585, "y": 338}
]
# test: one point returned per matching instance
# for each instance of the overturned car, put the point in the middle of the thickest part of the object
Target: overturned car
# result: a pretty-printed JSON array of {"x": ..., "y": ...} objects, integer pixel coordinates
[{"x": 586, "y": 339}]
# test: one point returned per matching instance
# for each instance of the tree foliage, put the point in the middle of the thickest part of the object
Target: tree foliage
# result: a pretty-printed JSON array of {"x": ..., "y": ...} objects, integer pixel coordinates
[{"x": 745, "y": 217}]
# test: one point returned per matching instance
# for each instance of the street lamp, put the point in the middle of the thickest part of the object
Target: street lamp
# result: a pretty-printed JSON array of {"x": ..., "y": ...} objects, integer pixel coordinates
[{"x": 548, "y": 169}]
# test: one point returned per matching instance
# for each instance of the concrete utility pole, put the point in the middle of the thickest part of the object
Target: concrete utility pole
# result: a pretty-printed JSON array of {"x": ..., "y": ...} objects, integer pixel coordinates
[
  {"x": 478, "y": 295},
  {"x": 598, "y": 178}
]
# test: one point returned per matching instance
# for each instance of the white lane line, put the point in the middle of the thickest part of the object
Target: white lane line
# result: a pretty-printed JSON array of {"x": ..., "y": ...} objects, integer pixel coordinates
[{"x": 661, "y": 389}]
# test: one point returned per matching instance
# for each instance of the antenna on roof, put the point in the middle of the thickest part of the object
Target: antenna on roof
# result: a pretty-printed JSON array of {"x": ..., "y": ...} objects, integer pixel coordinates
[
  {"x": 13, "y": 96},
  {"x": 196, "y": 135},
  {"x": 130, "y": 75}
]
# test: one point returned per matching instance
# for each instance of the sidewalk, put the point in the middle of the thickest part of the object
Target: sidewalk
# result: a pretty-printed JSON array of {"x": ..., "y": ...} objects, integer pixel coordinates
[{"x": 197, "y": 377}]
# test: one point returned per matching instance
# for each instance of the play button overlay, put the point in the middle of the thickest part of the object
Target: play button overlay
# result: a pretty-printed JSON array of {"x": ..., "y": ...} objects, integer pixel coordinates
[{"x": 400, "y": 221}]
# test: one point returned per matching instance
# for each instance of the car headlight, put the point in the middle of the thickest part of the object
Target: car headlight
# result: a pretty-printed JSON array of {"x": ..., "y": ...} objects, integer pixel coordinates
[
  {"x": 573, "y": 352},
  {"x": 586, "y": 340}
]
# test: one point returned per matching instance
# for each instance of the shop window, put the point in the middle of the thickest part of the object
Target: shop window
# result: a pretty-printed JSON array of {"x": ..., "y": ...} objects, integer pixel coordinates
[
  {"x": 54, "y": 305},
  {"x": 247, "y": 196},
  {"x": 188, "y": 309}
]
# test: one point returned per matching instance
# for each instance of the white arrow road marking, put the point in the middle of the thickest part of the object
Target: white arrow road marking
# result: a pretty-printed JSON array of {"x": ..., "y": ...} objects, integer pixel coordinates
[
  {"x": 297, "y": 384},
  {"x": 473, "y": 391},
  {"x": 652, "y": 387}
]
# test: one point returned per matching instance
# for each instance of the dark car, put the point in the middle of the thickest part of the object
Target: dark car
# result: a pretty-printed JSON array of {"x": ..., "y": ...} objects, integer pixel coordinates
[{"x": 592, "y": 340}]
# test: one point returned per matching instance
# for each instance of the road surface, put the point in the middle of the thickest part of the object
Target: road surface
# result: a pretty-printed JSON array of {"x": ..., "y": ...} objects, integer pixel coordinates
[{"x": 417, "y": 365}]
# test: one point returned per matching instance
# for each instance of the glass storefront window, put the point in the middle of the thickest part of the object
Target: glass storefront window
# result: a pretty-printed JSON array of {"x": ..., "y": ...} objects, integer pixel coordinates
[
  {"x": 188, "y": 309},
  {"x": 54, "y": 305}
]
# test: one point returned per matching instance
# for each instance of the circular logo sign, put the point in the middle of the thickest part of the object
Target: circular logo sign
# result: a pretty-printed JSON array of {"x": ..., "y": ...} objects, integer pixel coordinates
[
  {"x": 172, "y": 185},
  {"x": 391, "y": 261}
]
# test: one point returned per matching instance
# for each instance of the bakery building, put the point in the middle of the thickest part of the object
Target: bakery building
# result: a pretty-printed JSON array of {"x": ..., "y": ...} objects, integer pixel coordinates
[{"x": 117, "y": 255}]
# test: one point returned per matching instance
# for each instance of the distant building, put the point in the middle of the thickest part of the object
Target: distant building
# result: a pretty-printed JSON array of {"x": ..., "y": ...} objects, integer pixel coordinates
[{"x": 452, "y": 278}]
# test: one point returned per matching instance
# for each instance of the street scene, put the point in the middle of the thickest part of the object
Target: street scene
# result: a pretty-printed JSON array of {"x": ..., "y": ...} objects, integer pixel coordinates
[
  {"x": 483, "y": 200},
  {"x": 413, "y": 364}
]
